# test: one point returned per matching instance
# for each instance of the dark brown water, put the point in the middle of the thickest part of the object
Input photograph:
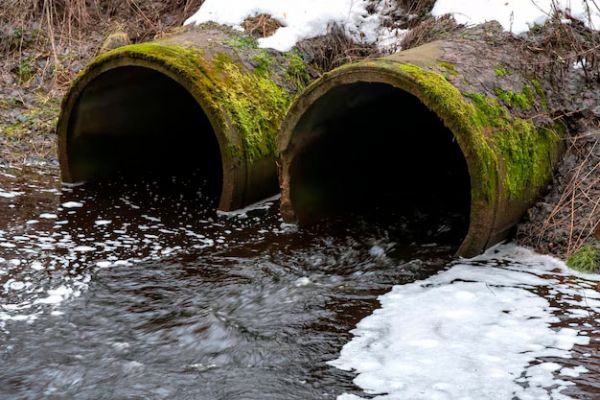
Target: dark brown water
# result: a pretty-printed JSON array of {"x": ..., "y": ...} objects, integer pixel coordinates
[{"x": 137, "y": 291}]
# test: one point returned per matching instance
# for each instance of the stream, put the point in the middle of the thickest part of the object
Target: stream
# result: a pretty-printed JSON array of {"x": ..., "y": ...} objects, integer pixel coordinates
[{"x": 136, "y": 290}]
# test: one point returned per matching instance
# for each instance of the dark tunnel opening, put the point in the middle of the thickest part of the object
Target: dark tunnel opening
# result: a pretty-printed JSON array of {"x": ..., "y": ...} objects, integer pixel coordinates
[
  {"x": 135, "y": 124},
  {"x": 376, "y": 151}
]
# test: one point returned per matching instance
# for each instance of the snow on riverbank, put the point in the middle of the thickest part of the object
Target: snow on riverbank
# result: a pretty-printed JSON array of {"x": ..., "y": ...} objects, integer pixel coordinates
[
  {"x": 516, "y": 16},
  {"x": 300, "y": 19},
  {"x": 363, "y": 19},
  {"x": 482, "y": 329}
]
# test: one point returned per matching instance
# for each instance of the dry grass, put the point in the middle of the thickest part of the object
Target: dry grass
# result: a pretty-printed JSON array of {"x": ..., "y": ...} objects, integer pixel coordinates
[
  {"x": 417, "y": 10},
  {"x": 430, "y": 29},
  {"x": 572, "y": 220},
  {"x": 50, "y": 39},
  {"x": 334, "y": 49},
  {"x": 260, "y": 26},
  {"x": 565, "y": 41}
]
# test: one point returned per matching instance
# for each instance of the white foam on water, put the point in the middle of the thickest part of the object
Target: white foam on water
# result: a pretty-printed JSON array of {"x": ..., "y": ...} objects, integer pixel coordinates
[
  {"x": 9, "y": 194},
  {"x": 56, "y": 296},
  {"x": 72, "y": 204},
  {"x": 471, "y": 332}
]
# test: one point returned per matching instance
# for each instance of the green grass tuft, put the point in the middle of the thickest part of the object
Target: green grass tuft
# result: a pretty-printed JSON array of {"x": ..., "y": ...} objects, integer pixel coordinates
[{"x": 586, "y": 259}]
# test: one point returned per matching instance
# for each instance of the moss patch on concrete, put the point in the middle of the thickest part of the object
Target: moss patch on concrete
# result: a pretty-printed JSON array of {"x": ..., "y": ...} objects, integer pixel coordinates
[
  {"x": 232, "y": 94},
  {"x": 256, "y": 105},
  {"x": 501, "y": 71},
  {"x": 439, "y": 95},
  {"x": 516, "y": 100},
  {"x": 527, "y": 151},
  {"x": 501, "y": 147},
  {"x": 297, "y": 72}
]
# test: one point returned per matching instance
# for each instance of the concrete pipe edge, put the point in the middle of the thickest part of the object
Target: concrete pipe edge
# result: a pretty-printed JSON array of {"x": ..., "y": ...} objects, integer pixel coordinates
[
  {"x": 243, "y": 90},
  {"x": 510, "y": 158}
]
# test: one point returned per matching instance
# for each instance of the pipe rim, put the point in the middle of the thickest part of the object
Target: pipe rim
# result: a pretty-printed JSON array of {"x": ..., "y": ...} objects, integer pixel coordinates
[
  {"x": 234, "y": 174},
  {"x": 482, "y": 213}
]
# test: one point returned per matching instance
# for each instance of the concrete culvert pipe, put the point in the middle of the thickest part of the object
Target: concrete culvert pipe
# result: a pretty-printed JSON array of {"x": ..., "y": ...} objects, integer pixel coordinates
[
  {"x": 451, "y": 124},
  {"x": 204, "y": 98}
]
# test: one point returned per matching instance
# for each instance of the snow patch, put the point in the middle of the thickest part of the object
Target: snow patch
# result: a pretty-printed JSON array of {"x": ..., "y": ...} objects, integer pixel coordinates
[
  {"x": 476, "y": 330},
  {"x": 516, "y": 16},
  {"x": 300, "y": 19}
]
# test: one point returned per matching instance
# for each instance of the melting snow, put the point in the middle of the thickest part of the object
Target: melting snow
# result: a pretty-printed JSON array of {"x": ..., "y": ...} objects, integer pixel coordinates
[
  {"x": 300, "y": 19},
  {"x": 474, "y": 331},
  {"x": 310, "y": 18},
  {"x": 516, "y": 16}
]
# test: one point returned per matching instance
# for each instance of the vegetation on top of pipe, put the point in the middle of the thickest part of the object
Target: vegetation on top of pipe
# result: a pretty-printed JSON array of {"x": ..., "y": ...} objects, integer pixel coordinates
[
  {"x": 253, "y": 103},
  {"x": 434, "y": 90},
  {"x": 506, "y": 148}
]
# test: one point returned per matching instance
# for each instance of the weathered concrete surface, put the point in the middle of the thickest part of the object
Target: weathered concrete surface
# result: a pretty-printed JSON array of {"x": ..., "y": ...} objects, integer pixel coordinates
[
  {"x": 500, "y": 117},
  {"x": 243, "y": 91}
]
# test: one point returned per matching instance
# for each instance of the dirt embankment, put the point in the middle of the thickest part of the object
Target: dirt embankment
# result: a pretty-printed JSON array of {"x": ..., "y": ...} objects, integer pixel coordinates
[{"x": 43, "y": 44}]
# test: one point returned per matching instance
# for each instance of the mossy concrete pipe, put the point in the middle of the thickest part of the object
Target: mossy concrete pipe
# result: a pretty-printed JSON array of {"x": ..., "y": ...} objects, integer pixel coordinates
[
  {"x": 498, "y": 117},
  {"x": 142, "y": 93}
]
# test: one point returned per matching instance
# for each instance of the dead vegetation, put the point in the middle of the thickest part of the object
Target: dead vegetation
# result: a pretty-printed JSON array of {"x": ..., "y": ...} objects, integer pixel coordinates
[
  {"x": 568, "y": 218},
  {"x": 334, "y": 49},
  {"x": 261, "y": 25},
  {"x": 566, "y": 44},
  {"x": 47, "y": 41},
  {"x": 430, "y": 29}
]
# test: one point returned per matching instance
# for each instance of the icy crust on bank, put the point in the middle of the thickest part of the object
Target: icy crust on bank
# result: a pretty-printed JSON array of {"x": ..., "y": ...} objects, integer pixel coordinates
[
  {"x": 479, "y": 330},
  {"x": 516, "y": 16},
  {"x": 300, "y": 19}
]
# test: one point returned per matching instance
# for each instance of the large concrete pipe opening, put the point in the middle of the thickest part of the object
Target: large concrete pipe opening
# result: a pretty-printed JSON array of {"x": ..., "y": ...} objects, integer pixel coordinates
[
  {"x": 139, "y": 123},
  {"x": 415, "y": 134},
  {"x": 376, "y": 149},
  {"x": 193, "y": 100}
]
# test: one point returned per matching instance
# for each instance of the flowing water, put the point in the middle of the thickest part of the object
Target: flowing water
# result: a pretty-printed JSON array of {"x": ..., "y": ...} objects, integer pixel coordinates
[{"x": 137, "y": 291}]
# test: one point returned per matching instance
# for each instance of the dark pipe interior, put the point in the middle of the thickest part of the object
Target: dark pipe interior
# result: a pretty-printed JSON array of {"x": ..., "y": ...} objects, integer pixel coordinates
[
  {"x": 137, "y": 123},
  {"x": 378, "y": 151}
]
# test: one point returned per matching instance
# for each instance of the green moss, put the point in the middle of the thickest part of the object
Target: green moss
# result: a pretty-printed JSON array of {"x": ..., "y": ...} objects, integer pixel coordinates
[
  {"x": 541, "y": 94},
  {"x": 252, "y": 103},
  {"x": 586, "y": 259},
  {"x": 447, "y": 101},
  {"x": 502, "y": 148},
  {"x": 526, "y": 150},
  {"x": 297, "y": 72},
  {"x": 263, "y": 63},
  {"x": 501, "y": 71},
  {"x": 242, "y": 42},
  {"x": 448, "y": 67},
  {"x": 256, "y": 105},
  {"x": 522, "y": 101},
  {"x": 25, "y": 69}
]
